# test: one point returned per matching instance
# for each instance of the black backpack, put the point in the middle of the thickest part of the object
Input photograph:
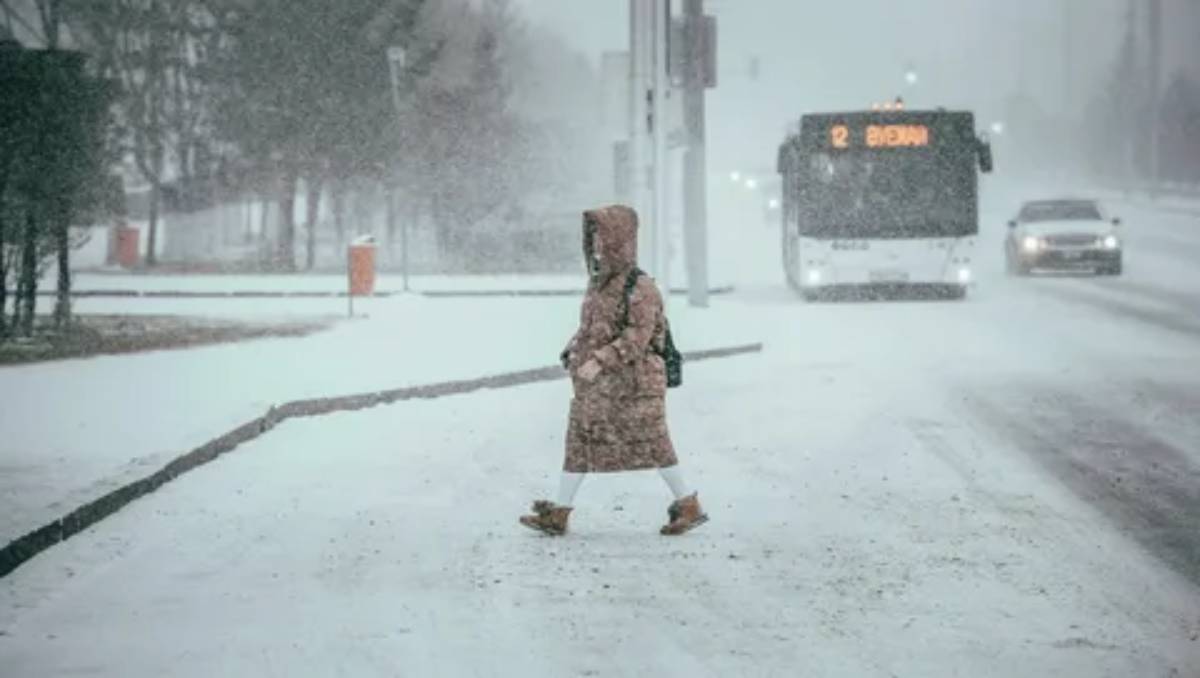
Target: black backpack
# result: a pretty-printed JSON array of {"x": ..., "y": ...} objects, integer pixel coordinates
[{"x": 671, "y": 356}]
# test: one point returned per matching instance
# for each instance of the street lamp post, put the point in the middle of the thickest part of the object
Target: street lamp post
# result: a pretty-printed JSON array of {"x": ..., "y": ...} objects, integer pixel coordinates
[{"x": 397, "y": 58}]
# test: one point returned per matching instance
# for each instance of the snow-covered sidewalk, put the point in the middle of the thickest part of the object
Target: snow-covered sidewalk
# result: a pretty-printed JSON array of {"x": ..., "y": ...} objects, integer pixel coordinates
[
  {"x": 74, "y": 430},
  {"x": 309, "y": 283},
  {"x": 120, "y": 283}
]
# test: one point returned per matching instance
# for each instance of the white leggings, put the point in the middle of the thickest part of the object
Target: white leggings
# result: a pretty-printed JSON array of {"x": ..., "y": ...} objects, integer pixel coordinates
[{"x": 568, "y": 484}]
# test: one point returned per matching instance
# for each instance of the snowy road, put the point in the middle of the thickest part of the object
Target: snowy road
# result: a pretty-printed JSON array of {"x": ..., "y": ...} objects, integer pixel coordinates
[{"x": 1006, "y": 486}]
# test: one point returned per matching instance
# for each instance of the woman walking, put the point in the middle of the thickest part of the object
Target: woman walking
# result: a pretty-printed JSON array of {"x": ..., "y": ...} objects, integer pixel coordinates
[{"x": 618, "y": 414}]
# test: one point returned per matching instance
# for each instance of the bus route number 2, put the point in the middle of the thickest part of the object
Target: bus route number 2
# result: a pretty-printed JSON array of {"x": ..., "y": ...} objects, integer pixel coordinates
[{"x": 839, "y": 136}]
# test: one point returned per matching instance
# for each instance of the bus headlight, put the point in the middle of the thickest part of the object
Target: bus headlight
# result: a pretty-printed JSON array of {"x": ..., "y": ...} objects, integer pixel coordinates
[
  {"x": 814, "y": 277},
  {"x": 964, "y": 275},
  {"x": 1110, "y": 242},
  {"x": 1031, "y": 244}
]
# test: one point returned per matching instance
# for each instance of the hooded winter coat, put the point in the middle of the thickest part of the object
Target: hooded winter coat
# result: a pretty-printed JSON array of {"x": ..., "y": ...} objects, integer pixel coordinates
[{"x": 617, "y": 420}]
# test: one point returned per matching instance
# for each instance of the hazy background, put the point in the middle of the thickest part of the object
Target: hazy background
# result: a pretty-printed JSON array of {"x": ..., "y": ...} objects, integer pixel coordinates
[
  {"x": 779, "y": 58},
  {"x": 502, "y": 122}
]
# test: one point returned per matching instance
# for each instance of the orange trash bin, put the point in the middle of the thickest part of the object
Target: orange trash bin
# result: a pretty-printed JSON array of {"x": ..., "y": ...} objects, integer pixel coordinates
[
  {"x": 127, "y": 246},
  {"x": 362, "y": 267}
]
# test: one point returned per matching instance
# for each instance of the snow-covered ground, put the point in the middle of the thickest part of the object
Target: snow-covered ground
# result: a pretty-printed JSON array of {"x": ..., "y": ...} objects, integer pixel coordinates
[
  {"x": 80, "y": 428},
  {"x": 1004, "y": 486},
  {"x": 322, "y": 283}
]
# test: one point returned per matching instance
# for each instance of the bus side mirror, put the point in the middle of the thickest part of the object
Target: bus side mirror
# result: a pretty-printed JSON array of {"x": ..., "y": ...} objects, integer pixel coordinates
[
  {"x": 1012, "y": 223},
  {"x": 985, "y": 157},
  {"x": 1116, "y": 221}
]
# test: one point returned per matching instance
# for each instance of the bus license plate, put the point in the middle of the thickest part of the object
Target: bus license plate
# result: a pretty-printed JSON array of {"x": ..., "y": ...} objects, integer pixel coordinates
[{"x": 889, "y": 276}]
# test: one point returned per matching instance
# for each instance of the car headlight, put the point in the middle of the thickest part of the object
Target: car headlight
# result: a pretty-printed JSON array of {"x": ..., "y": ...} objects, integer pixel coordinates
[
  {"x": 814, "y": 277},
  {"x": 1110, "y": 242},
  {"x": 1031, "y": 243},
  {"x": 964, "y": 275}
]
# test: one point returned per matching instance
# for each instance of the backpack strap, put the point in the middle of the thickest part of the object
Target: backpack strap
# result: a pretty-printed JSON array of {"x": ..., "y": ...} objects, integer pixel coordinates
[
  {"x": 672, "y": 359},
  {"x": 630, "y": 283}
]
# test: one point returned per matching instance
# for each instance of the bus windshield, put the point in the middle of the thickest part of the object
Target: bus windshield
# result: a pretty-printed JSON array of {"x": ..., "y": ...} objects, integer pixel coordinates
[{"x": 888, "y": 193}]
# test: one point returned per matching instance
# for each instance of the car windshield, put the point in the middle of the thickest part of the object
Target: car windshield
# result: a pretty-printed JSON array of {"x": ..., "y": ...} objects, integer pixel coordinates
[{"x": 1077, "y": 210}]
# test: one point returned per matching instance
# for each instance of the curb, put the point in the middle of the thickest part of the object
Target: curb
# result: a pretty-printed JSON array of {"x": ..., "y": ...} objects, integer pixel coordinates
[
  {"x": 20, "y": 550},
  {"x": 544, "y": 293},
  {"x": 383, "y": 294}
]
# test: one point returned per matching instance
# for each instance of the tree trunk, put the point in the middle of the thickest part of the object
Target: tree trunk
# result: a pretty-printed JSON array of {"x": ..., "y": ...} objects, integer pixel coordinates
[
  {"x": 390, "y": 195},
  {"x": 28, "y": 287},
  {"x": 441, "y": 227},
  {"x": 264, "y": 220},
  {"x": 247, "y": 220},
  {"x": 285, "y": 255},
  {"x": 3, "y": 257},
  {"x": 339, "y": 212},
  {"x": 62, "y": 237},
  {"x": 310, "y": 220},
  {"x": 3, "y": 280},
  {"x": 152, "y": 239}
]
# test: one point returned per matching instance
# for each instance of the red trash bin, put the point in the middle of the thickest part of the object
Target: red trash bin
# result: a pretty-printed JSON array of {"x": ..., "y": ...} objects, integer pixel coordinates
[
  {"x": 362, "y": 267},
  {"x": 127, "y": 246}
]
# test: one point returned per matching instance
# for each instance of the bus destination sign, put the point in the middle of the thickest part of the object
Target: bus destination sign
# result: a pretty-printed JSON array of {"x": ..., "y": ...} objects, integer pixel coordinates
[{"x": 843, "y": 137}]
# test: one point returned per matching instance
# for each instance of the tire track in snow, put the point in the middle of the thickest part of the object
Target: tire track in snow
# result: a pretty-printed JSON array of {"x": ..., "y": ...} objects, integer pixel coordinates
[
  {"x": 1186, "y": 302},
  {"x": 1148, "y": 488},
  {"x": 1179, "y": 322}
]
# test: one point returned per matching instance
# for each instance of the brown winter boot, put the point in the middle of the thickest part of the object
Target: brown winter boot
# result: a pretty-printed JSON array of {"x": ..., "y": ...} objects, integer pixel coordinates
[
  {"x": 548, "y": 518},
  {"x": 684, "y": 514}
]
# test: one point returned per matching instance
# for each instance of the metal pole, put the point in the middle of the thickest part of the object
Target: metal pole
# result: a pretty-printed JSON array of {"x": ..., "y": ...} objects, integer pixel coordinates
[
  {"x": 404, "y": 251},
  {"x": 350, "y": 282},
  {"x": 640, "y": 113},
  {"x": 396, "y": 57},
  {"x": 695, "y": 194},
  {"x": 661, "y": 24},
  {"x": 1068, "y": 45},
  {"x": 1067, "y": 155},
  {"x": 1154, "y": 64},
  {"x": 1129, "y": 140}
]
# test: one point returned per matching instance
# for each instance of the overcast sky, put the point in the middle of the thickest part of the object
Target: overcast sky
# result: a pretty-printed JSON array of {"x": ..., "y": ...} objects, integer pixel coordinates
[{"x": 825, "y": 55}]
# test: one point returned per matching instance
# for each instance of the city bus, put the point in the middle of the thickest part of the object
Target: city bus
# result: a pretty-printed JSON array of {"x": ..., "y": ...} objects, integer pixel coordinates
[{"x": 881, "y": 200}]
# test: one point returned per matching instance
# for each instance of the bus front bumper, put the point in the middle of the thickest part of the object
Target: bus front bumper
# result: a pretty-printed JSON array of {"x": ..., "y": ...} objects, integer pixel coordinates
[{"x": 824, "y": 277}]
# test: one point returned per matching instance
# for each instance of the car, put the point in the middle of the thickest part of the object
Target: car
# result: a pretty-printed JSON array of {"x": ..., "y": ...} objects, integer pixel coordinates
[{"x": 1069, "y": 235}]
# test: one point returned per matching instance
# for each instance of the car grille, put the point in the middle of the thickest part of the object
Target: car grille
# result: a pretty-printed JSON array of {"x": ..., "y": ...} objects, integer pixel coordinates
[{"x": 1071, "y": 240}]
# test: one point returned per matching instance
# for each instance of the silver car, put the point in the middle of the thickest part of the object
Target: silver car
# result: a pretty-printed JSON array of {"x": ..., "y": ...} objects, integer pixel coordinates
[{"x": 1064, "y": 236}]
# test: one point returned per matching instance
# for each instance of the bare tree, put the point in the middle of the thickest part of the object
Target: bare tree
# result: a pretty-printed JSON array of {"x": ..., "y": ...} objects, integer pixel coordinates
[
  {"x": 321, "y": 124},
  {"x": 133, "y": 41}
]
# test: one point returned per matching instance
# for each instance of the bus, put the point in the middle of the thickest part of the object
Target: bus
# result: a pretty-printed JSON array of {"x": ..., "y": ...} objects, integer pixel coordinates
[{"x": 881, "y": 200}]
